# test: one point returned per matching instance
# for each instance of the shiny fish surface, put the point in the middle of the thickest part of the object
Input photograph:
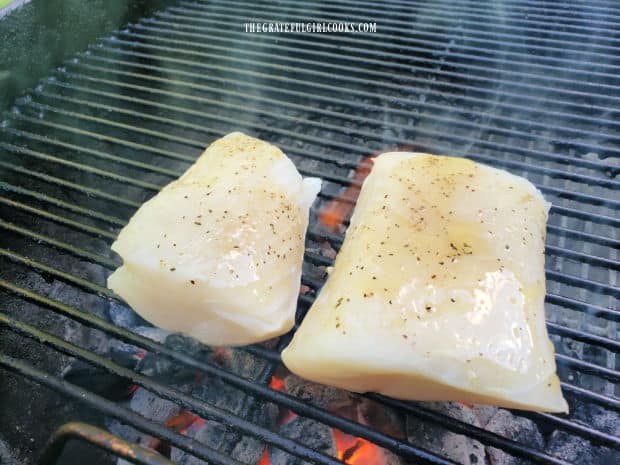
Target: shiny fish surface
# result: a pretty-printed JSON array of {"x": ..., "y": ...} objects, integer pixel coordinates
[
  {"x": 217, "y": 254},
  {"x": 438, "y": 290}
]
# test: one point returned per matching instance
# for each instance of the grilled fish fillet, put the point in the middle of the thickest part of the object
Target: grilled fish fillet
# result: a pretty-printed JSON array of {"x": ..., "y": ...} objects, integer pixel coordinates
[
  {"x": 217, "y": 254},
  {"x": 438, "y": 290}
]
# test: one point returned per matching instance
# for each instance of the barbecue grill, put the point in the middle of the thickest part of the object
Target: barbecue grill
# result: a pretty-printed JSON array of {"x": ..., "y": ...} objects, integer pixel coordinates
[{"x": 527, "y": 86}]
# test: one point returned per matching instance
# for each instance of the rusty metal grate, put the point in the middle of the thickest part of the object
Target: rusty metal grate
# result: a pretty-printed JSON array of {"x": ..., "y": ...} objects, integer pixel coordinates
[{"x": 531, "y": 87}]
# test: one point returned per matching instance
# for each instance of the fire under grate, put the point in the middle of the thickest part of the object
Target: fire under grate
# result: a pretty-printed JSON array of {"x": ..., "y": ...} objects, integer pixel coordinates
[{"x": 531, "y": 87}]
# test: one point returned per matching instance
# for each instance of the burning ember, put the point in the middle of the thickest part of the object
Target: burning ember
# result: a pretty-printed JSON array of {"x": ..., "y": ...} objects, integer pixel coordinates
[
  {"x": 277, "y": 384},
  {"x": 179, "y": 423},
  {"x": 284, "y": 416},
  {"x": 264, "y": 460},
  {"x": 334, "y": 213},
  {"x": 356, "y": 451},
  {"x": 349, "y": 449}
]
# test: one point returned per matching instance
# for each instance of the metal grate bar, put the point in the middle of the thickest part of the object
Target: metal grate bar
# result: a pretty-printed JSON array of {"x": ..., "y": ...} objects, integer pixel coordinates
[
  {"x": 557, "y": 251},
  {"x": 177, "y": 29},
  {"x": 67, "y": 184},
  {"x": 551, "y": 228},
  {"x": 341, "y": 162},
  {"x": 114, "y": 140},
  {"x": 195, "y": 8},
  {"x": 451, "y": 74},
  {"x": 278, "y": 397},
  {"x": 588, "y": 217},
  {"x": 426, "y": 414},
  {"x": 338, "y": 161},
  {"x": 576, "y": 391},
  {"x": 170, "y": 173},
  {"x": 198, "y": 407},
  {"x": 543, "y": 5},
  {"x": 612, "y": 167},
  {"x": 58, "y": 219},
  {"x": 552, "y": 5},
  {"x": 106, "y": 262},
  {"x": 604, "y": 181},
  {"x": 385, "y": 21},
  {"x": 593, "y": 238},
  {"x": 600, "y": 5},
  {"x": 551, "y": 419},
  {"x": 429, "y": 43},
  {"x": 80, "y": 167},
  {"x": 607, "y": 343},
  {"x": 313, "y": 65},
  {"x": 111, "y": 409},
  {"x": 584, "y": 257},
  {"x": 73, "y": 250},
  {"x": 378, "y": 62},
  {"x": 470, "y": 83},
  {"x": 96, "y": 153},
  {"x": 126, "y": 127},
  {"x": 591, "y": 368},
  {"x": 199, "y": 77},
  {"x": 583, "y": 282},
  {"x": 589, "y": 308},
  {"x": 567, "y": 424},
  {"x": 586, "y": 367},
  {"x": 577, "y": 21},
  {"x": 326, "y": 42},
  {"x": 62, "y": 204},
  {"x": 480, "y": 10},
  {"x": 576, "y": 14},
  {"x": 81, "y": 283},
  {"x": 596, "y": 200}
]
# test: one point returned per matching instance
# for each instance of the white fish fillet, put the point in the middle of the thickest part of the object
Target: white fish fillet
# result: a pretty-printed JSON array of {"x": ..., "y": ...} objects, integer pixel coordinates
[
  {"x": 438, "y": 291},
  {"x": 217, "y": 254}
]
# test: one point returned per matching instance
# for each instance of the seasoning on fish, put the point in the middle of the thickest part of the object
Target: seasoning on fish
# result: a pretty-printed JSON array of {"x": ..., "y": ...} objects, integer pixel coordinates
[
  {"x": 217, "y": 254},
  {"x": 438, "y": 291}
]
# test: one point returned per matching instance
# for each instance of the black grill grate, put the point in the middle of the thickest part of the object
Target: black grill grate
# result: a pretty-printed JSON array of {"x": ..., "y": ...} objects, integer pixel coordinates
[{"x": 531, "y": 87}]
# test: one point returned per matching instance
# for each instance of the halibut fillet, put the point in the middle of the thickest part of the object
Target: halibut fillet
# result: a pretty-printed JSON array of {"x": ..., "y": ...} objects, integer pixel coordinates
[
  {"x": 438, "y": 291},
  {"x": 217, "y": 254}
]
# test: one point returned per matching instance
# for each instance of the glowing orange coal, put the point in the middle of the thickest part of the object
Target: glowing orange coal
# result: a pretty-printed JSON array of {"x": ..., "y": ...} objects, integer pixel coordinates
[
  {"x": 356, "y": 451},
  {"x": 284, "y": 416},
  {"x": 277, "y": 384},
  {"x": 264, "y": 460},
  {"x": 349, "y": 449},
  {"x": 179, "y": 423},
  {"x": 334, "y": 213}
]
